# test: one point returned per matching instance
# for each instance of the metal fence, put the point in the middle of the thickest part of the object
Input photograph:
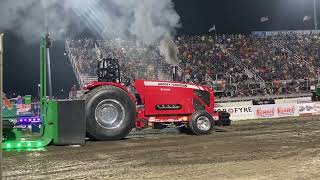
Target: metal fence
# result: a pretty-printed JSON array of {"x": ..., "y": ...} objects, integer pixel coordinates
[{"x": 257, "y": 89}]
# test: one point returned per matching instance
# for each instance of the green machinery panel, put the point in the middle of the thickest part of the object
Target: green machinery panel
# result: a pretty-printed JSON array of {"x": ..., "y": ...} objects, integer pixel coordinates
[
  {"x": 24, "y": 139},
  {"x": 70, "y": 128}
]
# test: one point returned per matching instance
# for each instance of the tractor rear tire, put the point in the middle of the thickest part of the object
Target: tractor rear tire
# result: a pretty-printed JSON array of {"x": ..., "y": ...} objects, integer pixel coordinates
[
  {"x": 110, "y": 113},
  {"x": 84, "y": 97},
  {"x": 201, "y": 123}
]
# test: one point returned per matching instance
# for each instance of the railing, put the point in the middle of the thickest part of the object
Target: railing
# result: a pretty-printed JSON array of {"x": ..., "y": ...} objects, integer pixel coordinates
[
  {"x": 289, "y": 51},
  {"x": 73, "y": 63},
  {"x": 248, "y": 71},
  {"x": 254, "y": 89},
  {"x": 217, "y": 100}
]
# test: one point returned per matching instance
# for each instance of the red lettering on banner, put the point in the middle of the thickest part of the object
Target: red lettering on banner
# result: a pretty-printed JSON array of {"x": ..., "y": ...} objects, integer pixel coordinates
[
  {"x": 265, "y": 112},
  {"x": 285, "y": 110}
]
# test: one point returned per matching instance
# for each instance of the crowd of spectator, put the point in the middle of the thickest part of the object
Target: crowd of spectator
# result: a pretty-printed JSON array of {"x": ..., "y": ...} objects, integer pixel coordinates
[
  {"x": 82, "y": 51},
  {"x": 268, "y": 59},
  {"x": 137, "y": 61},
  {"x": 280, "y": 64},
  {"x": 203, "y": 56}
]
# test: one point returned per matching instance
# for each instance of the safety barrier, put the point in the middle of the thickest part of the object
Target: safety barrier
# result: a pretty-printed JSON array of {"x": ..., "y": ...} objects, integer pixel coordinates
[
  {"x": 288, "y": 108},
  {"x": 239, "y": 112},
  {"x": 276, "y": 110},
  {"x": 306, "y": 109}
]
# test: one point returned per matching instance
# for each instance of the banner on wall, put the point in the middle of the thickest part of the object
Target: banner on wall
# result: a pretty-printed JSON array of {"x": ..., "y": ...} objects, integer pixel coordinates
[
  {"x": 239, "y": 112},
  {"x": 245, "y": 112},
  {"x": 274, "y": 33},
  {"x": 309, "y": 109},
  {"x": 276, "y": 110}
]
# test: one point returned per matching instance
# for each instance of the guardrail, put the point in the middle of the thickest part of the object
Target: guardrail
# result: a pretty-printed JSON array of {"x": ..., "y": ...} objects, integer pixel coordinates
[
  {"x": 245, "y": 111},
  {"x": 219, "y": 100}
]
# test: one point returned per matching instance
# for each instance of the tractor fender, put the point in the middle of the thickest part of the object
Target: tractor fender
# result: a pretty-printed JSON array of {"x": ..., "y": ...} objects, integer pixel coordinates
[{"x": 95, "y": 84}]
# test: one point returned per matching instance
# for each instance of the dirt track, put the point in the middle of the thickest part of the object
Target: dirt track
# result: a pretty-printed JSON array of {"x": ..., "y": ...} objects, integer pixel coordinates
[{"x": 266, "y": 149}]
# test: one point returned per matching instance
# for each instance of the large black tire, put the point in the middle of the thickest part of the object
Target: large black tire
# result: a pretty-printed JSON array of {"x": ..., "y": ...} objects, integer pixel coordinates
[
  {"x": 84, "y": 97},
  {"x": 224, "y": 118},
  {"x": 201, "y": 123},
  {"x": 227, "y": 122},
  {"x": 110, "y": 113}
]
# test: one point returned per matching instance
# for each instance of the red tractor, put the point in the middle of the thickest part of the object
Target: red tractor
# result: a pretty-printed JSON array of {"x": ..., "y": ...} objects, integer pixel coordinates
[{"x": 113, "y": 110}]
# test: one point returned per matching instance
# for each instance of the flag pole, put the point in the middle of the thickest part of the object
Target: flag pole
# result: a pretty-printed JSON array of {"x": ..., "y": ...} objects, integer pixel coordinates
[
  {"x": 215, "y": 31},
  {"x": 315, "y": 15}
]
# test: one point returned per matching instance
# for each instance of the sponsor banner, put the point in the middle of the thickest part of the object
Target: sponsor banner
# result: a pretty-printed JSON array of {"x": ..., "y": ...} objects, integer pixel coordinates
[
  {"x": 264, "y": 111},
  {"x": 276, "y": 110},
  {"x": 309, "y": 109},
  {"x": 259, "y": 33},
  {"x": 287, "y": 110},
  {"x": 273, "y": 33},
  {"x": 238, "y": 113}
]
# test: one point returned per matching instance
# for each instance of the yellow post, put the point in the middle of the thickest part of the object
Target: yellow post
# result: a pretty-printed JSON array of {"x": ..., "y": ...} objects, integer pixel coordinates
[{"x": 1, "y": 90}]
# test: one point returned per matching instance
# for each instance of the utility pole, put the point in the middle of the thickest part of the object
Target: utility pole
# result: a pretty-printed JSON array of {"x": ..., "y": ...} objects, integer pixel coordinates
[
  {"x": 1, "y": 92},
  {"x": 315, "y": 19}
]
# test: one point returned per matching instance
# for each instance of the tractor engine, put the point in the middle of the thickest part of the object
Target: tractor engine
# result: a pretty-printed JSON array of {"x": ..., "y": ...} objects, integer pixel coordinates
[{"x": 187, "y": 106}]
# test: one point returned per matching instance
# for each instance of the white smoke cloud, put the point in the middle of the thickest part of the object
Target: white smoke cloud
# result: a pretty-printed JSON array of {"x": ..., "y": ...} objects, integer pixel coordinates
[
  {"x": 30, "y": 18},
  {"x": 149, "y": 21}
]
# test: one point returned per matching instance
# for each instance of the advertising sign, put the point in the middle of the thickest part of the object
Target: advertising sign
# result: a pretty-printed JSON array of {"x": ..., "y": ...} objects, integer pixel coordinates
[
  {"x": 238, "y": 113},
  {"x": 309, "y": 109},
  {"x": 276, "y": 110}
]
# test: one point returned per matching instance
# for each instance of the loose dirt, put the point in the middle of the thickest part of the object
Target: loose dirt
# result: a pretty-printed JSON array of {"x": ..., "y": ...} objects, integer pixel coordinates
[{"x": 257, "y": 149}]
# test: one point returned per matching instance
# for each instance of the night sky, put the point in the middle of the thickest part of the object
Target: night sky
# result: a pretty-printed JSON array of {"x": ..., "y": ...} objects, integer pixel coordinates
[{"x": 21, "y": 60}]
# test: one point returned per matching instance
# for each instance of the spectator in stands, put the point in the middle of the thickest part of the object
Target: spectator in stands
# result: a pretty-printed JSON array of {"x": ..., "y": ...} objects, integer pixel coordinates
[{"x": 19, "y": 100}]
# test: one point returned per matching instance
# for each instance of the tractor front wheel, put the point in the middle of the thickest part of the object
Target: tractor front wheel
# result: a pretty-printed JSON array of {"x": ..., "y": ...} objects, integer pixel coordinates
[{"x": 201, "y": 123}]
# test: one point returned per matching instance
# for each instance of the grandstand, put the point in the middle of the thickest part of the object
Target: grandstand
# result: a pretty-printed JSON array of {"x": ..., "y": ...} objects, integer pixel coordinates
[{"x": 235, "y": 65}]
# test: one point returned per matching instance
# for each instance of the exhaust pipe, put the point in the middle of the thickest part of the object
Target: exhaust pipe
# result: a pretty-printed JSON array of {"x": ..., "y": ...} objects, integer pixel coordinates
[{"x": 174, "y": 73}]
